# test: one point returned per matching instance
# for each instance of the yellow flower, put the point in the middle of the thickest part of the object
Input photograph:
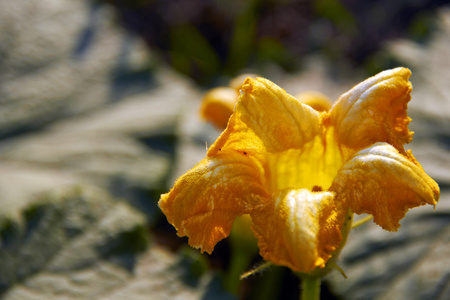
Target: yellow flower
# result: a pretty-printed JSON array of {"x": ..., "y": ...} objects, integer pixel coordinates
[{"x": 298, "y": 172}]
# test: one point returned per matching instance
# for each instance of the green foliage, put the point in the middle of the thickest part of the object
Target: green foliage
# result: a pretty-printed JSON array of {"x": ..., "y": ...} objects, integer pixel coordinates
[
  {"x": 8, "y": 231},
  {"x": 206, "y": 40},
  {"x": 242, "y": 43},
  {"x": 422, "y": 25},
  {"x": 272, "y": 50},
  {"x": 192, "y": 263},
  {"x": 191, "y": 53},
  {"x": 337, "y": 13},
  {"x": 133, "y": 240}
]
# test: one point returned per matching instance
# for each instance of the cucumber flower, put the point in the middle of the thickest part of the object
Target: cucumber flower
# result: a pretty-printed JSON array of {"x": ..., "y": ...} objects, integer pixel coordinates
[{"x": 300, "y": 174}]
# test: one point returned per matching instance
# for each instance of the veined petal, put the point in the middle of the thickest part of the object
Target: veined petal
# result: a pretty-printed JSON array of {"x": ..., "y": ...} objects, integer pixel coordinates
[
  {"x": 267, "y": 119},
  {"x": 204, "y": 202},
  {"x": 375, "y": 111},
  {"x": 300, "y": 229},
  {"x": 382, "y": 182}
]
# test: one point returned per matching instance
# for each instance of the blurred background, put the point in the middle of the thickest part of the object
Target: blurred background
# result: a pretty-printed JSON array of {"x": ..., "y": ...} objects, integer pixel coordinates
[
  {"x": 209, "y": 39},
  {"x": 99, "y": 106}
]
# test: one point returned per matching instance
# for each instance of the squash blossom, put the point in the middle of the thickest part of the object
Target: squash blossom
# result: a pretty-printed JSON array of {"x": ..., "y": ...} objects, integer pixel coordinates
[{"x": 300, "y": 173}]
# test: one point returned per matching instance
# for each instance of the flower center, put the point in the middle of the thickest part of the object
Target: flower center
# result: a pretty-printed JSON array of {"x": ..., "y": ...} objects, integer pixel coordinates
[{"x": 312, "y": 167}]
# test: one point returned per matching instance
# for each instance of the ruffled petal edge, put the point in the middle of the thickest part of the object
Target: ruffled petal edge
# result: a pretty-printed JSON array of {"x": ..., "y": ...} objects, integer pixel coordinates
[{"x": 383, "y": 182}]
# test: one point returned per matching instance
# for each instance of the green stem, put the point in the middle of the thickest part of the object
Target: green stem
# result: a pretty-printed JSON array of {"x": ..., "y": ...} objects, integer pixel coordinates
[
  {"x": 310, "y": 288},
  {"x": 238, "y": 264}
]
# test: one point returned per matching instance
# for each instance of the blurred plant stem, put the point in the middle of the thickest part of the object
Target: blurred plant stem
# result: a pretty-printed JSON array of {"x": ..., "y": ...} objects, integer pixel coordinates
[
  {"x": 310, "y": 287},
  {"x": 269, "y": 284},
  {"x": 243, "y": 249},
  {"x": 240, "y": 260}
]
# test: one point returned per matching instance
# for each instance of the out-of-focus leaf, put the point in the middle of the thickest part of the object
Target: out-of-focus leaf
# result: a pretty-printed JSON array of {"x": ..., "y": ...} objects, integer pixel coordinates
[
  {"x": 58, "y": 61},
  {"x": 337, "y": 13},
  {"x": 271, "y": 50},
  {"x": 81, "y": 244},
  {"x": 409, "y": 264},
  {"x": 72, "y": 110},
  {"x": 191, "y": 53},
  {"x": 83, "y": 136},
  {"x": 243, "y": 40},
  {"x": 65, "y": 233}
]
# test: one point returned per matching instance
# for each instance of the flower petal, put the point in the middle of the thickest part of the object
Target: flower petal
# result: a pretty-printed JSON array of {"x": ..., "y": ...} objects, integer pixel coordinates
[
  {"x": 382, "y": 182},
  {"x": 267, "y": 119},
  {"x": 375, "y": 111},
  {"x": 218, "y": 105},
  {"x": 204, "y": 202},
  {"x": 300, "y": 229},
  {"x": 316, "y": 100}
]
